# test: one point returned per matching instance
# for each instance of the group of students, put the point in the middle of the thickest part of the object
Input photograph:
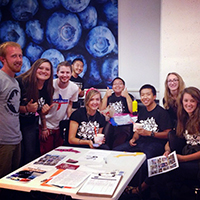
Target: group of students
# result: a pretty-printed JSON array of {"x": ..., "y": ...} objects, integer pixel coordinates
[
  {"x": 180, "y": 132},
  {"x": 32, "y": 105},
  {"x": 40, "y": 103}
]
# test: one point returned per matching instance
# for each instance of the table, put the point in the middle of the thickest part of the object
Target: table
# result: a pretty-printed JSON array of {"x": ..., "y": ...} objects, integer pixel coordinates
[{"x": 129, "y": 163}]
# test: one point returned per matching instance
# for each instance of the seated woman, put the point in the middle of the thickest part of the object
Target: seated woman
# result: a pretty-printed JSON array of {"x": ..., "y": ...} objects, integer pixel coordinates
[
  {"x": 188, "y": 130},
  {"x": 87, "y": 121}
]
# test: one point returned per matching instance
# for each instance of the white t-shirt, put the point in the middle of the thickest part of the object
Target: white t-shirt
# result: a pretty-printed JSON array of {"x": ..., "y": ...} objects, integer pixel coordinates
[{"x": 61, "y": 99}]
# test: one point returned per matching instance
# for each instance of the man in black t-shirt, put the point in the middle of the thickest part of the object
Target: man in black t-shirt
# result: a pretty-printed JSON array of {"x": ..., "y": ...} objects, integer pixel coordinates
[
  {"x": 77, "y": 68},
  {"x": 155, "y": 121},
  {"x": 121, "y": 101}
]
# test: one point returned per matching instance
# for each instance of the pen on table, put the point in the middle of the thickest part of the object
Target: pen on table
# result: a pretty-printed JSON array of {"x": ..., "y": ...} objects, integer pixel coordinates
[
  {"x": 105, "y": 159},
  {"x": 106, "y": 179},
  {"x": 58, "y": 186},
  {"x": 44, "y": 180}
]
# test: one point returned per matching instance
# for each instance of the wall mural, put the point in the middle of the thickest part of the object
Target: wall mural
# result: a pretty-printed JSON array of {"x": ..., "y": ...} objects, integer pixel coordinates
[{"x": 63, "y": 30}]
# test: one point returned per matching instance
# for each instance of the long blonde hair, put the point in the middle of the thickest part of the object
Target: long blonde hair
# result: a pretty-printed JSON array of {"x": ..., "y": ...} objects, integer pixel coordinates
[
  {"x": 89, "y": 94},
  {"x": 168, "y": 98}
]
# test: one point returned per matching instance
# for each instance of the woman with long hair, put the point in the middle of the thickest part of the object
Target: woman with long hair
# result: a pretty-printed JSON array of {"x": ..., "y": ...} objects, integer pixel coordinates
[
  {"x": 36, "y": 98},
  {"x": 174, "y": 85},
  {"x": 87, "y": 121},
  {"x": 188, "y": 129}
]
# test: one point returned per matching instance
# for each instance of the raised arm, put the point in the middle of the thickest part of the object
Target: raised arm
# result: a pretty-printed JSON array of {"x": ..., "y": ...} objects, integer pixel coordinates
[
  {"x": 128, "y": 99},
  {"x": 105, "y": 99},
  {"x": 81, "y": 92}
]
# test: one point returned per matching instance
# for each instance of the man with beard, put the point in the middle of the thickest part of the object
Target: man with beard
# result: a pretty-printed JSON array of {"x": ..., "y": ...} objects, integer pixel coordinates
[{"x": 10, "y": 135}]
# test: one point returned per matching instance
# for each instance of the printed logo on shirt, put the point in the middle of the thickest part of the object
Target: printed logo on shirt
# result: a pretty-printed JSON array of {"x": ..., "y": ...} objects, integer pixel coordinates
[
  {"x": 12, "y": 105},
  {"x": 149, "y": 124},
  {"x": 60, "y": 101},
  {"x": 118, "y": 106},
  {"x": 86, "y": 130},
  {"x": 41, "y": 102}
]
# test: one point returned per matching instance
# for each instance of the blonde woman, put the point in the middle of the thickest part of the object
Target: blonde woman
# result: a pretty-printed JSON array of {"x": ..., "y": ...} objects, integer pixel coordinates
[
  {"x": 87, "y": 121},
  {"x": 174, "y": 85}
]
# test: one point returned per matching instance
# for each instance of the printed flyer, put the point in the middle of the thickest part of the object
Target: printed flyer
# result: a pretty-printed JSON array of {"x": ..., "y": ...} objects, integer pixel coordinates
[{"x": 162, "y": 164}]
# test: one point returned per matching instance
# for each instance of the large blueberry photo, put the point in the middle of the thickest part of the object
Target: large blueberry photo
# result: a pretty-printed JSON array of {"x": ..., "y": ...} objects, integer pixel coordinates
[
  {"x": 62, "y": 30},
  {"x": 54, "y": 56},
  {"x": 100, "y": 41}
]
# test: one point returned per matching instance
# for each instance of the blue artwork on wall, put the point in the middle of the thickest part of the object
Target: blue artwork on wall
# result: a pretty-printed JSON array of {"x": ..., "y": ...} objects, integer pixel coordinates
[{"x": 64, "y": 30}]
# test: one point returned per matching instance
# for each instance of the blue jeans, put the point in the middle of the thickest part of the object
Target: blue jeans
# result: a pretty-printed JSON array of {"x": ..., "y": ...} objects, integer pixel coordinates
[
  {"x": 150, "y": 146},
  {"x": 30, "y": 142}
]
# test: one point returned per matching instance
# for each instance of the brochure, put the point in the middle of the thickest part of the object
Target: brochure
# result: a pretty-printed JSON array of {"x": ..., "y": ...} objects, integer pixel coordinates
[
  {"x": 26, "y": 174},
  {"x": 162, "y": 164},
  {"x": 49, "y": 160}
]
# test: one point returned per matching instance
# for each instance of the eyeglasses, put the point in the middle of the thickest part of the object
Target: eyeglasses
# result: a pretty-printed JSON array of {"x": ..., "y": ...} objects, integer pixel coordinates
[{"x": 172, "y": 80}]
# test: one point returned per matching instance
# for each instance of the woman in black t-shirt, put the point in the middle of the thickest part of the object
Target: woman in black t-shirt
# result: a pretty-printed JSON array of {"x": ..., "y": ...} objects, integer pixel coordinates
[
  {"x": 87, "y": 121},
  {"x": 174, "y": 85},
  {"x": 36, "y": 98}
]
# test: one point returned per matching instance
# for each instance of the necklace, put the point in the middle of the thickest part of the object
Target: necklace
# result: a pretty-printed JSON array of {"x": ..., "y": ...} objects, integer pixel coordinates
[{"x": 91, "y": 117}]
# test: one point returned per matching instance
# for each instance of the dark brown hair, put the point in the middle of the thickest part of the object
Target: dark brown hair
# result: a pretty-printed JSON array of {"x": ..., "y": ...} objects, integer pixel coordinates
[
  {"x": 186, "y": 122},
  {"x": 29, "y": 79}
]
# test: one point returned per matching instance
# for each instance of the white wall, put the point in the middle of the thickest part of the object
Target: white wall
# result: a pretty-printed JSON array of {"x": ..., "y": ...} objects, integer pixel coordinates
[
  {"x": 139, "y": 43},
  {"x": 180, "y": 41},
  {"x": 151, "y": 46}
]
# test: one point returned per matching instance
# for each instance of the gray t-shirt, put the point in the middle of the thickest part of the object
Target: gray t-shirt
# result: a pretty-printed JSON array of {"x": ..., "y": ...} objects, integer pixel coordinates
[{"x": 9, "y": 110}]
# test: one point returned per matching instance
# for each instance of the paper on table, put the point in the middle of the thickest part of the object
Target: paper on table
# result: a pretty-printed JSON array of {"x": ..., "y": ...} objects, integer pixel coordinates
[
  {"x": 69, "y": 178},
  {"x": 97, "y": 185},
  {"x": 95, "y": 156}
]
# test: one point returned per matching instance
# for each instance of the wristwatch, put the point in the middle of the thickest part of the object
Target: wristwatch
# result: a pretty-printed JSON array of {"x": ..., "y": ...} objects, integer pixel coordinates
[{"x": 152, "y": 134}]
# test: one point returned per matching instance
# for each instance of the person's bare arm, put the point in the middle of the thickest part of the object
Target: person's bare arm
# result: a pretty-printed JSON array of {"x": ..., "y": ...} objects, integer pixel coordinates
[
  {"x": 161, "y": 135},
  {"x": 190, "y": 157},
  {"x": 105, "y": 99},
  {"x": 134, "y": 139},
  {"x": 69, "y": 109},
  {"x": 128, "y": 99},
  {"x": 81, "y": 93},
  {"x": 30, "y": 107},
  {"x": 72, "y": 139}
]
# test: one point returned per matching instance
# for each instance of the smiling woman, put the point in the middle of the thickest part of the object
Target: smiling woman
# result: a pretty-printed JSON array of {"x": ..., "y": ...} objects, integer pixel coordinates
[
  {"x": 87, "y": 122},
  {"x": 174, "y": 85},
  {"x": 36, "y": 97}
]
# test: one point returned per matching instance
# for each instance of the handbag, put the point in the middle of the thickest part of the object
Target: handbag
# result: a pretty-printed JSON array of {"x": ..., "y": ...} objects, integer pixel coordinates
[{"x": 189, "y": 149}]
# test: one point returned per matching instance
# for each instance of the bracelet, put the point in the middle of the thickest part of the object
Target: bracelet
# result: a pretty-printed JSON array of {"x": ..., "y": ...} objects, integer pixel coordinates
[
  {"x": 45, "y": 129},
  {"x": 26, "y": 109},
  {"x": 152, "y": 134}
]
